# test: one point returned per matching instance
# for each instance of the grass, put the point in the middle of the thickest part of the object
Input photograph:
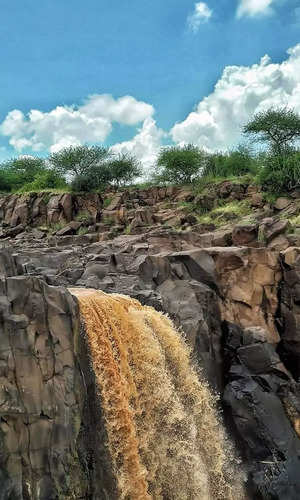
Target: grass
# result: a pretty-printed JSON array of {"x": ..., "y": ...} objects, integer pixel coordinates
[
  {"x": 206, "y": 184},
  {"x": 83, "y": 216},
  {"x": 56, "y": 226},
  {"x": 261, "y": 237},
  {"x": 295, "y": 221},
  {"x": 270, "y": 197},
  {"x": 238, "y": 208},
  {"x": 188, "y": 205},
  {"x": 82, "y": 230},
  {"x": 107, "y": 202},
  {"x": 63, "y": 190},
  {"x": 224, "y": 213}
]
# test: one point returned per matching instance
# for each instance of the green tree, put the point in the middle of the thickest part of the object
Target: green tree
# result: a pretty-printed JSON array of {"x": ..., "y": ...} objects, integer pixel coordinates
[
  {"x": 280, "y": 167},
  {"x": 179, "y": 165},
  {"x": 78, "y": 160},
  {"x": 17, "y": 172},
  {"x": 234, "y": 163},
  {"x": 96, "y": 177},
  {"x": 278, "y": 127},
  {"x": 123, "y": 169},
  {"x": 47, "y": 179}
]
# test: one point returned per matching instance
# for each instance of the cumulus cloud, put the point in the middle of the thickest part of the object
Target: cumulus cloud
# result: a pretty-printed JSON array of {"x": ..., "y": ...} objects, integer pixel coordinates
[
  {"x": 254, "y": 7},
  {"x": 241, "y": 91},
  {"x": 202, "y": 13},
  {"x": 145, "y": 145},
  {"x": 66, "y": 125}
]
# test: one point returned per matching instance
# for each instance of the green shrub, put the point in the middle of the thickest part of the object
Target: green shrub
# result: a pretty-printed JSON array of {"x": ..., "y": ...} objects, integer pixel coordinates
[
  {"x": 107, "y": 202},
  {"x": 234, "y": 163},
  {"x": 82, "y": 231},
  {"x": 48, "y": 179},
  {"x": 56, "y": 226},
  {"x": 123, "y": 169},
  {"x": 82, "y": 184},
  {"x": 17, "y": 172},
  {"x": 280, "y": 174},
  {"x": 84, "y": 216},
  {"x": 7, "y": 181},
  {"x": 179, "y": 165}
]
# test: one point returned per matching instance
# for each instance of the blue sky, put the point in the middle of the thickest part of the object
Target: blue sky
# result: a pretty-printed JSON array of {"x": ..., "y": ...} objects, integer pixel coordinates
[{"x": 167, "y": 54}]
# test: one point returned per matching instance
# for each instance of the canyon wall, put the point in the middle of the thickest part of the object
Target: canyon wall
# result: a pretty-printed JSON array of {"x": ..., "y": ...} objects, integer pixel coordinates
[{"x": 237, "y": 304}]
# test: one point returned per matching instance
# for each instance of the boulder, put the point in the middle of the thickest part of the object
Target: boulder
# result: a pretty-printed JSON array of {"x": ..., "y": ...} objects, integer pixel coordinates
[
  {"x": 115, "y": 202},
  {"x": 244, "y": 234},
  {"x": 189, "y": 219},
  {"x": 143, "y": 217},
  {"x": 231, "y": 190},
  {"x": 70, "y": 228},
  {"x": 281, "y": 203},
  {"x": 12, "y": 232},
  {"x": 205, "y": 202},
  {"x": 257, "y": 200},
  {"x": 184, "y": 195},
  {"x": 272, "y": 227},
  {"x": 279, "y": 243},
  {"x": 20, "y": 214}
]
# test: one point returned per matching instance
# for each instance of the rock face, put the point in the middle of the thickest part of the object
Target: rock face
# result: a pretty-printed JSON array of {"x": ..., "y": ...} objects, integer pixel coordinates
[
  {"x": 49, "y": 429},
  {"x": 233, "y": 291},
  {"x": 258, "y": 391},
  {"x": 290, "y": 310},
  {"x": 39, "y": 209},
  {"x": 42, "y": 394}
]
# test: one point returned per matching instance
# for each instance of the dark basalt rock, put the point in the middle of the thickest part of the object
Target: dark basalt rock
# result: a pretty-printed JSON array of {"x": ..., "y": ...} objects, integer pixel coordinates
[
  {"x": 256, "y": 396},
  {"x": 51, "y": 432}
]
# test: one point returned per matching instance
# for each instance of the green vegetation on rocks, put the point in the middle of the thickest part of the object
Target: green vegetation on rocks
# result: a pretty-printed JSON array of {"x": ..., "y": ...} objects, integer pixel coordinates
[{"x": 93, "y": 168}]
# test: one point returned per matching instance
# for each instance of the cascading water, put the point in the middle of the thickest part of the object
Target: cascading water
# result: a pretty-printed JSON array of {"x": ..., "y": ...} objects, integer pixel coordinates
[{"x": 165, "y": 437}]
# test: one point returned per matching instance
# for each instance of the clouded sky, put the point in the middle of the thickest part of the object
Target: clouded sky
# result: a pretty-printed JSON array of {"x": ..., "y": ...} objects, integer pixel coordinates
[{"x": 136, "y": 74}]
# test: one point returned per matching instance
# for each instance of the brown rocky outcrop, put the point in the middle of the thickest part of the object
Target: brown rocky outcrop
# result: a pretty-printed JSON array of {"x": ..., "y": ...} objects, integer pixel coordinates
[{"x": 37, "y": 209}]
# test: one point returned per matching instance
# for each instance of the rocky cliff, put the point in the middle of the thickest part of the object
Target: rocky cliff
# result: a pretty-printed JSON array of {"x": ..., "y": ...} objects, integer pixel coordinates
[{"x": 230, "y": 280}]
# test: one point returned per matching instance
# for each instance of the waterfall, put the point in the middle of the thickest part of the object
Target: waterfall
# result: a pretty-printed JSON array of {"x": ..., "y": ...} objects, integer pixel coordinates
[{"x": 165, "y": 437}]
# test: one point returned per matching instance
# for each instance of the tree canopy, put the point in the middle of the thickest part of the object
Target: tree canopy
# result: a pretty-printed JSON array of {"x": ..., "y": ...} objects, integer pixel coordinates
[
  {"x": 279, "y": 127},
  {"x": 179, "y": 165},
  {"x": 17, "y": 172},
  {"x": 78, "y": 160},
  {"x": 123, "y": 169}
]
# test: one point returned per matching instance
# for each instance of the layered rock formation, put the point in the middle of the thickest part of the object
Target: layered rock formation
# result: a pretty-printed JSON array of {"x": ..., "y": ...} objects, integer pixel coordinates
[{"x": 234, "y": 293}]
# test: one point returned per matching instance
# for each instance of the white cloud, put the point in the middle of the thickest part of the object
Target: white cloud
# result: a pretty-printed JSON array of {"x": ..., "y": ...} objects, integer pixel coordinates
[
  {"x": 202, "y": 13},
  {"x": 66, "y": 125},
  {"x": 254, "y": 7},
  {"x": 241, "y": 91},
  {"x": 144, "y": 145},
  {"x": 126, "y": 110}
]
